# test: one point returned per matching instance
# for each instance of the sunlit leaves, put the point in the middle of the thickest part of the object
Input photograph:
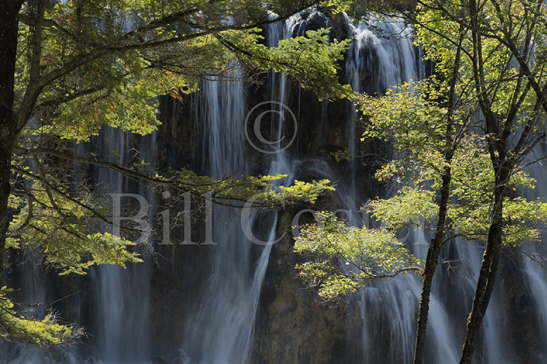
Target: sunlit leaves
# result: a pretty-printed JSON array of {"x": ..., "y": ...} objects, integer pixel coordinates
[
  {"x": 340, "y": 259},
  {"x": 133, "y": 51},
  {"x": 409, "y": 206},
  {"x": 64, "y": 229},
  {"x": 311, "y": 59},
  {"x": 14, "y": 327},
  {"x": 441, "y": 24},
  {"x": 413, "y": 117},
  {"x": 250, "y": 191}
]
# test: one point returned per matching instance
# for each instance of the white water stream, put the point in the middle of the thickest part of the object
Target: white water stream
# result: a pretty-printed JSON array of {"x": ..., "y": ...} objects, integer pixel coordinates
[{"x": 220, "y": 331}]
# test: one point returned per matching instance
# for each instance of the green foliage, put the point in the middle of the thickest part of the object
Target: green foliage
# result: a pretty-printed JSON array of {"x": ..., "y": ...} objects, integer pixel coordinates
[
  {"x": 83, "y": 65},
  {"x": 341, "y": 259},
  {"x": 64, "y": 228},
  {"x": 311, "y": 59},
  {"x": 338, "y": 6},
  {"x": 429, "y": 124},
  {"x": 413, "y": 118},
  {"x": 299, "y": 191},
  {"x": 441, "y": 23},
  {"x": 255, "y": 191},
  {"x": 409, "y": 206},
  {"x": 470, "y": 195},
  {"x": 104, "y": 62},
  {"x": 16, "y": 328}
]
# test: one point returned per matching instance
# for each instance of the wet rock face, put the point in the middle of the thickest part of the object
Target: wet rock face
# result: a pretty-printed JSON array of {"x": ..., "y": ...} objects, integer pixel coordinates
[
  {"x": 520, "y": 309},
  {"x": 293, "y": 325},
  {"x": 177, "y": 134}
]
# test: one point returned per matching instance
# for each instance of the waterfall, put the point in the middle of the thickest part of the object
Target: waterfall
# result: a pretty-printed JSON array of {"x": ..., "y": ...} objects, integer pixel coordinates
[
  {"x": 122, "y": 307},
  {"x": 121, "y": 298},
  {"x": 535, "y": 275},
  {"x": 382, "y": 56},
  {"x": 221, "y": 332},
  {"x": 388, "y": 309},
  {"x": 109, "y": 280},
  {"x": 218, "y": 326}
]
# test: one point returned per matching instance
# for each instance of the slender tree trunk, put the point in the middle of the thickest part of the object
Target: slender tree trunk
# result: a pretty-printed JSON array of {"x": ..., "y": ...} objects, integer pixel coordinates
[
  {"x": 9, "y": 10},
  {"x": 436, "y": 244},
  {"x": 430, "y": 266},
  {"x": 487, "y": 277}
]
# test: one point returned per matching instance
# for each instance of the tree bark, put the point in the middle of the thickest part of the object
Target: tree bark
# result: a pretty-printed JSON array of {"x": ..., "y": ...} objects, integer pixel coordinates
[
  {"x": 9, "y": 11},
  {"x": 437, "y": 242},
  {"x": 487, "y": 277},
  {"x": 430, "y": 266}
]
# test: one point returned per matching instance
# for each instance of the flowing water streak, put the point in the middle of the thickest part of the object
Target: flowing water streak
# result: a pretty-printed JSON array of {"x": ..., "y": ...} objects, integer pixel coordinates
[
  {"x": 122, "y": 299},
  {"x": 122, "y": 296},
  {"x": 217, "y": 332},
  {"x": 222, "y": 329},
  {"x": 535, "y": 274},
  {"x": 382, "y": 56},
  {"x": 108, "y": 280},
  {"x": 280, "y": 164},
  {"x": 389, "y": 308}
]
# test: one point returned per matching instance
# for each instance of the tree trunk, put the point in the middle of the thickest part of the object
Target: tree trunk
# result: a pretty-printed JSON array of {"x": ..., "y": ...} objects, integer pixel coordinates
[
  {"x": 487, "y": 277},
  {"x": 430, "y": 265},
  {"x": 437, "y": 242},
  {"x": 9, "y": 11}
]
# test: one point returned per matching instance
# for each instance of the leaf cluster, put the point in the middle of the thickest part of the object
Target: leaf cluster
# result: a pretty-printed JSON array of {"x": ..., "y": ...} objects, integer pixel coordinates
[{"x": 340, "y": 259}]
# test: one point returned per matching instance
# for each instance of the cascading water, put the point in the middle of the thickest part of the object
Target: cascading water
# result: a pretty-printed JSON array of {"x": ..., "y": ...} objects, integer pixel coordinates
[
  {"x": 385, "y": 62},
  {"x": 534, "y": 272},
  {"x": 122, "y": 306},
  {"x": 388, "y": 309},
  {"x": 220, "y": 329},
  {"x": 382, "y": 56},
  {"x": 120, "y": 322}
]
